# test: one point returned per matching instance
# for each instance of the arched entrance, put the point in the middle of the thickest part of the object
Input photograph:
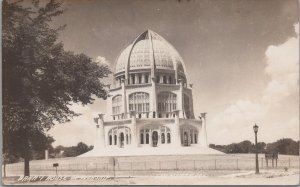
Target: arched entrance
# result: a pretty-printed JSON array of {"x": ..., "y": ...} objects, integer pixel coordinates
[
  {"x": 121, "y": 139},
  {"x": 154, "y": 138}
]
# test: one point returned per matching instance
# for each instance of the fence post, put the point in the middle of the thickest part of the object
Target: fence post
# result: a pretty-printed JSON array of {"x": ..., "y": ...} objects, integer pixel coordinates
[
  {"x": 237, "y": 163},
  {"x": 289, "y": 162},
  {"x": 194, "y": 164},
  {"x": 215, "y": 164},
  {"x": 145, "y": 165},
  {"x": 176, "y": 165}
]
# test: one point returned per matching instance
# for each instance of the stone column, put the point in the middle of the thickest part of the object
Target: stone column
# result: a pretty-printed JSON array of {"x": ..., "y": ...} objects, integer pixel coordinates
[
  {"x": 153, "y": 98},
  {"x": 130, "y": 79},
  {"x": 143, "y": 78},
  {"x": 161, "y": 79},
  {"x": 136, "y": 79},
  {"x": 150, "y": 137},
  {"x": 176, "y": 139},
  {"x": 100, "y": 136},
  {"x": 180, "y": 99},
  {"x": 202, "y": 136},
  {"x": 124, "y": 99},
  {"x": 134, "y": 133}
]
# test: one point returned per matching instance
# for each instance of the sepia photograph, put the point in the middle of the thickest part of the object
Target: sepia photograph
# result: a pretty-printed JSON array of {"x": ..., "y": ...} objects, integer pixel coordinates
[{"x": 150, "y": 92}]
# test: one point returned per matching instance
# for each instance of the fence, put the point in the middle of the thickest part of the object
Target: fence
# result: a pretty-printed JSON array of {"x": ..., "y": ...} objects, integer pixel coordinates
[{"x": 140, "y": 167}]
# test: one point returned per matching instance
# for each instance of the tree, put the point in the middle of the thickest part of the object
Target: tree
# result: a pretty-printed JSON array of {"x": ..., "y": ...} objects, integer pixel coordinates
[
  {"x": 40, "y": 78},
  {"x": 81, "y": 148},
  {"x": 284, "y": 146}
]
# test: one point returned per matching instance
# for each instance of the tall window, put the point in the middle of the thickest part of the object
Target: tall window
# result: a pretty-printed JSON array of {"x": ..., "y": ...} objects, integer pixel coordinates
[
  {"x": 168, "y": 138},
  {"x": 115, "y": 139},
  {"x": 162, "y": 138},
  {"x": 146, "y": 78},
  {"x": 139, "y": 102},
  {"x": 167, "y": 102},
  {"x": 117, "y": 104},
  {"x": 164, "y": 79},
  {"x": 132, "y": 79},
  {"x": 110, "y": 140},
  {"x": 140, "y": 79},
  {"x": 170, "y": 80},
  {"x": 142, "y": 138},
  {"x": 147, "y": 138},
  {"x": 186, "y": 101}
]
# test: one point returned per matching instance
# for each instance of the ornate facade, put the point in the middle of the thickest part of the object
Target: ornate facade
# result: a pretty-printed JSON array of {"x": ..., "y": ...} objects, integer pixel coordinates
[{"x": 151, "y": 102}]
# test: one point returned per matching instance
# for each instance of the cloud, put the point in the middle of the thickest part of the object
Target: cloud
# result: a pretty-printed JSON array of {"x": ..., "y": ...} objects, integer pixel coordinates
[
  {"x": 102, "y": 60},
  {"x": 283, "y": 68},
  {"x": 235, "y": 121}
]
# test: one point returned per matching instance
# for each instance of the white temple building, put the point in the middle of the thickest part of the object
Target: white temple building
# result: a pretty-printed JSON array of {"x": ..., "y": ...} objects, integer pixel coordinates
[{"x": 150, "y": 108}]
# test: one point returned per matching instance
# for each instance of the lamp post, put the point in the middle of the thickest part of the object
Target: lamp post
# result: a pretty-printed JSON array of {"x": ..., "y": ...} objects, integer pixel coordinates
[{"x": 255, "y": 128}]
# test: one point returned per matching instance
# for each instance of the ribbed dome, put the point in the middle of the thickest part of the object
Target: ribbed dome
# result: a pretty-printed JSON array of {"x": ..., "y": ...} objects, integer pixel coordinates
[{"x": 149, "y": 51}]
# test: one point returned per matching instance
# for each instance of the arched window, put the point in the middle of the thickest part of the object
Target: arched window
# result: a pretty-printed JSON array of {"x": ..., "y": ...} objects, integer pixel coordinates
[
  {"x": 147, "y": 138},
  {"x": 139, "y": 102},
  {"x": 157, "y": 79},
  {"x": 117, "y": 104},
  {"x": 162, "y": 138},
  {"x": 167, "y": 102},
  {"x": 168, "y": 138},
  {"x": 188, "y": 134},
  {"x": 115, "y": 139},
  {"x": 122, "y": 132},
  {"x": 142, "y": 138},
  {"x": 110, "y": 139}
]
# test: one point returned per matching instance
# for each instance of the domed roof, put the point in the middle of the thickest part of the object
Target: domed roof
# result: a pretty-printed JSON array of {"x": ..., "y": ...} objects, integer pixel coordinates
[{"x": 149, "y": 51}]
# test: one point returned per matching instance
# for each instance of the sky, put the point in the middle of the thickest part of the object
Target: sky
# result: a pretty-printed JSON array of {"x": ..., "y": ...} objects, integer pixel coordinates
[{"x": 241, "y": 56}]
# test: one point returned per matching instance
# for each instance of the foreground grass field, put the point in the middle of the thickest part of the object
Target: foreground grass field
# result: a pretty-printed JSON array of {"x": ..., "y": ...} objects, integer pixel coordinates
[
  {"x": 266, "y": 177},
  {"x": 210, "y": 165}
]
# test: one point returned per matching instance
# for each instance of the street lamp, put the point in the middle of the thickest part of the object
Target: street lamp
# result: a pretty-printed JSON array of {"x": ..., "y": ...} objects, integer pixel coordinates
[{"x": 255, "y": 128}]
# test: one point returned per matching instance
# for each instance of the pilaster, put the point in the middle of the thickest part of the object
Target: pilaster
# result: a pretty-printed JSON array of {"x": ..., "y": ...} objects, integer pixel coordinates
[
  {"x": 202, "y": 137},
  {"x": 124, "y": 100},
  {"x": 134, "y": 133},
  {"x": 180, "y": 100},
  {"x": 175, "y": 138},
  {"x": 100, "y": 136}
]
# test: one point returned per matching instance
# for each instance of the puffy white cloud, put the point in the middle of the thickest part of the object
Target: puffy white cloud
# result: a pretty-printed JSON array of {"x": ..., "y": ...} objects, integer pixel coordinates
[
  {"x": 283, "y": 68},
  {"x": 102, "y": 60},
  {"x": 235, "y": 121}
]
